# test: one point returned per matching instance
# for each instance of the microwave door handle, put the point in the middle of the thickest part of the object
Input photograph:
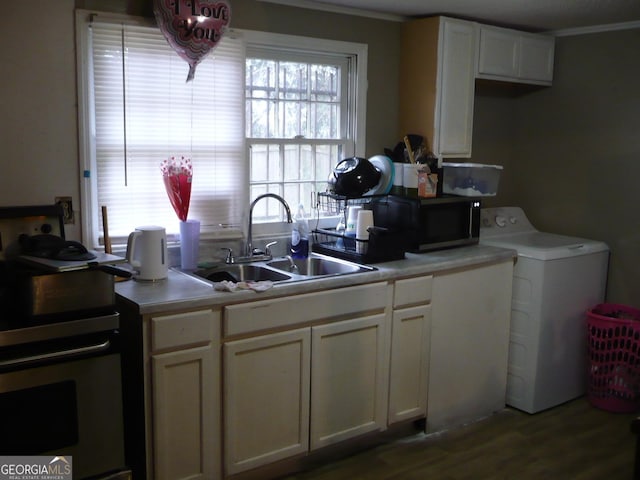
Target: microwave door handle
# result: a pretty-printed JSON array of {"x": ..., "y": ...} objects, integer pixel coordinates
[
  {"x": 90, "y": 349},
  {"x": 473, "y": 205}
]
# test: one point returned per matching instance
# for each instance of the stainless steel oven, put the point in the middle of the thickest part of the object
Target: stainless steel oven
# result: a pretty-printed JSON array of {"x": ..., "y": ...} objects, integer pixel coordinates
[
  {"x": 60, "y": 367},
  {"x": 61, "y": 394}
]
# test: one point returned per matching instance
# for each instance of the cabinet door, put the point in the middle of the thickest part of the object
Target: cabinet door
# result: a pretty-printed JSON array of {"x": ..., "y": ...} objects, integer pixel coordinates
[
  {"x": 347, "y": 379},
  {"x": 499, "y": 51},
  {"x": 536, "y": 58},
  {"x": 409, "y": 363},
  {"x": 266, "y": 399},
  {"x": 456, "y": 84},
  {"x": 184, "y": 410},
  {"x": 514, "y": 56},
  {"x": 470, "y": 324}
]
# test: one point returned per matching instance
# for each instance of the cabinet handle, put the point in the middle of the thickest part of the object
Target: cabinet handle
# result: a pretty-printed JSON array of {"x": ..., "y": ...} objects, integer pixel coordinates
[{"x": 256, "y": 307}]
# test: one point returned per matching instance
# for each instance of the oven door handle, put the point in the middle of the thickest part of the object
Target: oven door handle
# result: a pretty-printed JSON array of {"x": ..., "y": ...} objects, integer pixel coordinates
[{"x": 44, "y": 357}]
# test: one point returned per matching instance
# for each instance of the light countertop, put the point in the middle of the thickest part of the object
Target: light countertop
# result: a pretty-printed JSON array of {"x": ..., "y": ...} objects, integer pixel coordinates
[{"x": 181, "y": 291}]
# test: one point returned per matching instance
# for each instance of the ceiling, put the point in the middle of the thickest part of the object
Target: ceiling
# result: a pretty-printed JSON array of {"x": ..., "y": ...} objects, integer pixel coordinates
[{"x": 534, "y": 15}]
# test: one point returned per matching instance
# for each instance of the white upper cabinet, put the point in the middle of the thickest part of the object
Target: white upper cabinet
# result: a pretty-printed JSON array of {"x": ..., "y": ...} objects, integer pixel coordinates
[
  {"x": 536, "y": 58},
  {"x": 510, "y": 55},
  {"x": 437, "y": 68},
  {"x": 498, "y": 53},
  {"x": 441, "y": 57},
  {"x": 454, "y": 104}
]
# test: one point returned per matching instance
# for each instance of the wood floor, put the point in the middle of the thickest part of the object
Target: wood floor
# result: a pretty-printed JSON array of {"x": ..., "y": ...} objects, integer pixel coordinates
[{"x": 574, "y": 441}]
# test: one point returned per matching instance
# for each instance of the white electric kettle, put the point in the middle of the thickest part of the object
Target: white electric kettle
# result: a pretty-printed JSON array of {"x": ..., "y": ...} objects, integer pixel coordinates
[{"x": 147, "y": 252}]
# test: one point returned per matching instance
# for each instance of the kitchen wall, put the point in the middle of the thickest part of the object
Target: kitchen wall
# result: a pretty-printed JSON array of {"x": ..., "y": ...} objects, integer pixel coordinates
[
  {"x": 576, "y": 152},
  {"x": 38, "y": 133},
  {"x": 571, "y": 152},
  {"x": 493, "y": 129}
]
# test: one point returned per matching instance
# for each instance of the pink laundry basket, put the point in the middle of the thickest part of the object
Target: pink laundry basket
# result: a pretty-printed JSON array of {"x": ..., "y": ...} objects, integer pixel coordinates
[{"x": 614, "y": 357}]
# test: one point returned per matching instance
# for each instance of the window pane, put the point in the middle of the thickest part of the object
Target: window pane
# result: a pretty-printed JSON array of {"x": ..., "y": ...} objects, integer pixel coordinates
[
  {"x": 294, "y": 119},
  {"x": 325, "y": 117},
  {"x": 292, "y": 194},
  {"x": 293, "y": 81},
  {"x": 259, "y": 155},
  {"x": 275, "y": 164},
  {"x": 306, "y": 155},
  {"x": 327, "y": 157},
  {"x": 261, "y": 78},
  {"x": 261, "y": 118},
  {"x": 256, "y": 191},
  {"x": 325, "y": 82},
  {"x": 291, "y": 162},
  {"x": 268, "y": 209}
]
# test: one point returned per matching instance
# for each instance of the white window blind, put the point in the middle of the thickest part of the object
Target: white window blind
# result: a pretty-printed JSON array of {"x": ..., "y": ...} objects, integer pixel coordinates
[{"x": 144, "y": 112}]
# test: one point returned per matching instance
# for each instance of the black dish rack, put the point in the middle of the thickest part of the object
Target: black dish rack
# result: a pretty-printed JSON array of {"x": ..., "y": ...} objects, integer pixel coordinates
[{"x": 383, "y": 244}]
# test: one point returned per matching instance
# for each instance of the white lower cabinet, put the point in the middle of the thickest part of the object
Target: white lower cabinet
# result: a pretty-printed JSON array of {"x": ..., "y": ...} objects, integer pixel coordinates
[
  {"x": 469, "y": 344},
  {"x": 288, "y": 392},
  {"x": 233, "y": 390},
  {"x": 410, "y": 345},
  {"x": 266, "y": 399},
  {"x": 185, "y": 396},
  {"x": 409, "y": 363},
  {"x": 347, "y": 380}
]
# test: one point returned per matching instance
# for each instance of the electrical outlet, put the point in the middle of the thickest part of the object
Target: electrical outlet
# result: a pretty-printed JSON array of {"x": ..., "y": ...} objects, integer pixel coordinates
[{"x": 67, "y": 206}]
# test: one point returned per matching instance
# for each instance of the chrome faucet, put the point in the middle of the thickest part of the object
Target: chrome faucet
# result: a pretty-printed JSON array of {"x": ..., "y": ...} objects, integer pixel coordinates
[{"x": 249, "y": 247}]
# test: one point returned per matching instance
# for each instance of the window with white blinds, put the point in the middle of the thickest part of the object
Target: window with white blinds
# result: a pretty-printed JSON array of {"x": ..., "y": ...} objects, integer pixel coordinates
[{"x": 141, "y": 111}]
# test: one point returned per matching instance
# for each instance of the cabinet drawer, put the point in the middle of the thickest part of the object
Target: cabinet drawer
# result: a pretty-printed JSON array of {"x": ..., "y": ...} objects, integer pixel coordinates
[
  {"x": 412, "y": 291},
  {"x": 298, "y": 309},
  {"x": 186, "y": 328}
]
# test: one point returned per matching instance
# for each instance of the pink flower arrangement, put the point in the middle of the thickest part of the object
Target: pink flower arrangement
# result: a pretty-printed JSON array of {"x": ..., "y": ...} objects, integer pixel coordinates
[{"x": 177, "y": 175}]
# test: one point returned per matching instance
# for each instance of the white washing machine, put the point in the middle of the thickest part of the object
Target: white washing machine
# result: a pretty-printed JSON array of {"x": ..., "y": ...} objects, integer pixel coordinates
[{"x": 556, "y": 280}]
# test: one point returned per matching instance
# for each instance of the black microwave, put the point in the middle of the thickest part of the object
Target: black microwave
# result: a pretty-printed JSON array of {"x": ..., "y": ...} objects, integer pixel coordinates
[{"x": 430, "y": 223}]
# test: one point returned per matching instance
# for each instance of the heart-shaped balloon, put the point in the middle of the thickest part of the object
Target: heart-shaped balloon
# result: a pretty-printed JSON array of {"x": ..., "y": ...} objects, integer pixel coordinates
[{"x": 193, "y": 28}]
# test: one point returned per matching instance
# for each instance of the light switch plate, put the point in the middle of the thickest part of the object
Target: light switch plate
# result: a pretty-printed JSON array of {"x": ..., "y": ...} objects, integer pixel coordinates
[{"x": 67, "y": 206}]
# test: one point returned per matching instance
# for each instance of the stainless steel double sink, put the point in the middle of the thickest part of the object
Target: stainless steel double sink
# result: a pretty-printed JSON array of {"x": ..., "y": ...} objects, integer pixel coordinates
[{"x": 282, "y": 269}]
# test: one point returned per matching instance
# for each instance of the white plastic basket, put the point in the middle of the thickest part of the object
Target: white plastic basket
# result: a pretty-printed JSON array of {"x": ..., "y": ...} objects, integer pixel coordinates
[{"x": 471, "y": 179}]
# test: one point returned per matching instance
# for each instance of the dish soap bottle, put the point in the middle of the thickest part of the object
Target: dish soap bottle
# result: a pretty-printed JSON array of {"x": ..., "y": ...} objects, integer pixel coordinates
[{"x": 300, "y": 235}]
